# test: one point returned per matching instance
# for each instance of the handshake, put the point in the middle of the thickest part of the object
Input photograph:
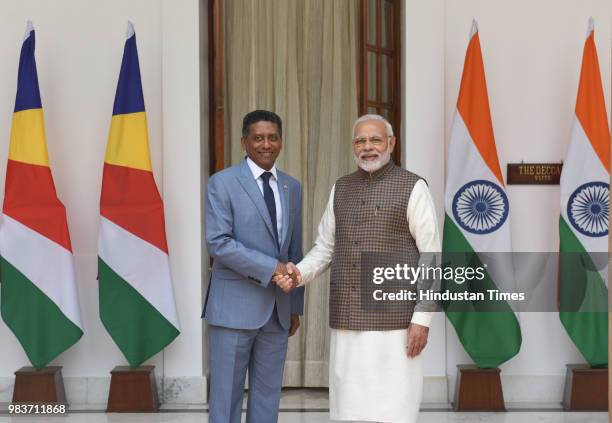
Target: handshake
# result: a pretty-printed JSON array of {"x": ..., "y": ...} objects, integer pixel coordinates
[{"x": 286, "y": 276}]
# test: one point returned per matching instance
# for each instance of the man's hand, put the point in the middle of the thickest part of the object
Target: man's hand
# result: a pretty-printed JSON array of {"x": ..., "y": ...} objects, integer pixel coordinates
[
  {"x": 281, "y": 269},
  {"x": 417, "y": 339},
  {"x": 287, "y": 276},
  {"x": 295, "y": 324}
]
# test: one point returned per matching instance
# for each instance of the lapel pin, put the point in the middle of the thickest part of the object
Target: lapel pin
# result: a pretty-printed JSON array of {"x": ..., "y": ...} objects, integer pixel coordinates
[{"x": 285, "y": 186}]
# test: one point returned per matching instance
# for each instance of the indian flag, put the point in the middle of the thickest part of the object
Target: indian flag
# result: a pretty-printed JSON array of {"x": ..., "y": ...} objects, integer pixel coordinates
[
  {"x": 136, "y": 297},
  {"x": 585, "y": 209},
  {"x": 38, "y": 300},
  {"x": 477, "y": 221}
]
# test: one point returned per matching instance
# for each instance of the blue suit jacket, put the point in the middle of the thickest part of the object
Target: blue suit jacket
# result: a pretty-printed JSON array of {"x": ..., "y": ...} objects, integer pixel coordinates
[{"x": 240, "y": 239}]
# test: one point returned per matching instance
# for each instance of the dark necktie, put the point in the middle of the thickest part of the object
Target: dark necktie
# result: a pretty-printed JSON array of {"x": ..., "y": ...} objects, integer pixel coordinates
[{"x": 269, "y": 199}]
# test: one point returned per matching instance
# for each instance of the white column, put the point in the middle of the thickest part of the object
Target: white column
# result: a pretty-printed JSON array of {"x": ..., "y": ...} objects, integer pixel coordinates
[
  {"x": 423, "y": 143},
  {"x": 182, "y": 191}
]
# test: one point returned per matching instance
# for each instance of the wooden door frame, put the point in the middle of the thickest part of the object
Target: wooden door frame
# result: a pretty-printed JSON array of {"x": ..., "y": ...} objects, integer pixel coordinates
[
  {"x": 216, "y": 80},
  {"x": 394, "y": 33}
]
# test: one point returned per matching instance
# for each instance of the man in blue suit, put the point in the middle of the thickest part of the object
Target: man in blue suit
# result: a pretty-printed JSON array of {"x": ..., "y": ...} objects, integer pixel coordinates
[{"x": 253, "y": 228}]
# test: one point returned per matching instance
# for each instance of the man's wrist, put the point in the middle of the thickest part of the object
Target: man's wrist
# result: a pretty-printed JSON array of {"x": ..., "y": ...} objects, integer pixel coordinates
[{"x": 422, "y": 318}]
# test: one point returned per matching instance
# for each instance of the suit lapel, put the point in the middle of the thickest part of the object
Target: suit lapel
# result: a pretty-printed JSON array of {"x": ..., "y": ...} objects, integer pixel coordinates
[
  {"x": 283, "y": 190},
  {"x": 249, "y": 184}
]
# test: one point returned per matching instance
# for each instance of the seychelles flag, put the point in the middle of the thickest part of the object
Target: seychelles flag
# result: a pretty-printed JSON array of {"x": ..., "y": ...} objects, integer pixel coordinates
[
  {"x": 136, "y": 297},
  {"x": 38, "y": 300}
]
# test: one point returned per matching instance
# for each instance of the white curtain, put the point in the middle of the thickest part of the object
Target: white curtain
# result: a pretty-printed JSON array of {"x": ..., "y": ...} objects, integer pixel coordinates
[{"x": 298, "y": 59}]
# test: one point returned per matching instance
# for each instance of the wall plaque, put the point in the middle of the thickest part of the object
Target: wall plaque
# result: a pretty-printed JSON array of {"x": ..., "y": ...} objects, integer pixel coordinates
[{"x": 533, "y": 173}]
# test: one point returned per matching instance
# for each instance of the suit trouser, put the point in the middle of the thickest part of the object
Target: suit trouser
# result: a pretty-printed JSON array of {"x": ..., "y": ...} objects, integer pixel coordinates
[{"x": 232, "y": 351}]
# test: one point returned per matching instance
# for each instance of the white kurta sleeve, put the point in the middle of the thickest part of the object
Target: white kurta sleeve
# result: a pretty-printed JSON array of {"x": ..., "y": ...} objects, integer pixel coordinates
[
  {"x": 319, "y": 257},
  {"x": 423, "y": 225}
]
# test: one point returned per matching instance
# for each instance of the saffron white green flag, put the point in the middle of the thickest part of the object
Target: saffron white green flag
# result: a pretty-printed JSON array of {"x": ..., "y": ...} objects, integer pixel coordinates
[
  {"x": 585, "y": 209},
  {"x": 477, "y": 220}
]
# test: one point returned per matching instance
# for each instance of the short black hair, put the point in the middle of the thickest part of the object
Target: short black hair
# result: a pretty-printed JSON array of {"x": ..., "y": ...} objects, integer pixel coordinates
[{"x": 258, "y": 116}]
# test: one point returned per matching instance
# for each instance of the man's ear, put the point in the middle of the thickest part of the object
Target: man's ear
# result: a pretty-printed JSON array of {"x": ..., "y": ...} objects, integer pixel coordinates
[
  {"x": 392, "y": 143},
  {"x": 242, "y": 143}
]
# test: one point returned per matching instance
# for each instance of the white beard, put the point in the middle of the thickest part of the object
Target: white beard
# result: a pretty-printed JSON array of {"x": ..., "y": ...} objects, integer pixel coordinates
[{"x": 374, "y": 165}]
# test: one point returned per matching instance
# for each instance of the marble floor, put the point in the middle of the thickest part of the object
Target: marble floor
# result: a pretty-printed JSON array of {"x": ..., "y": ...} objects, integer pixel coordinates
[
  {"x": 311, "y": 406},
  {"x": 318, "y": 417}
]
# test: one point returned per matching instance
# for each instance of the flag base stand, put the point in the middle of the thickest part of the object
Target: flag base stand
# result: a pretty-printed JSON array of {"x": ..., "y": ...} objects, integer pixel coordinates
[
  {"x": 133, "y": 390},
  {"x": 586, "y": 388},
  {"x": 39, "y": 386},
  {"x": 478, "y": 389}
]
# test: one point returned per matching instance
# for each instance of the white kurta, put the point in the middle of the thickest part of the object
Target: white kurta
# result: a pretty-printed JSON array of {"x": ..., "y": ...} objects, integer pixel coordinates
[{"x": 370, "y": 376}]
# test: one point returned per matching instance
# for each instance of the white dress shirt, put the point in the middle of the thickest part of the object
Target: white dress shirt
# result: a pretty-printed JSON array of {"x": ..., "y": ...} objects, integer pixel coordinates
[
  {"x": 422, "y": 223},
  {"x": 257, "y": 172}
]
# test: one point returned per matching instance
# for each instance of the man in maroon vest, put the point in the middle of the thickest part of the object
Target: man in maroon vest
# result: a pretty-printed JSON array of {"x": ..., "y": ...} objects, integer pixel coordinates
[{"x": 375, "y": 365}]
